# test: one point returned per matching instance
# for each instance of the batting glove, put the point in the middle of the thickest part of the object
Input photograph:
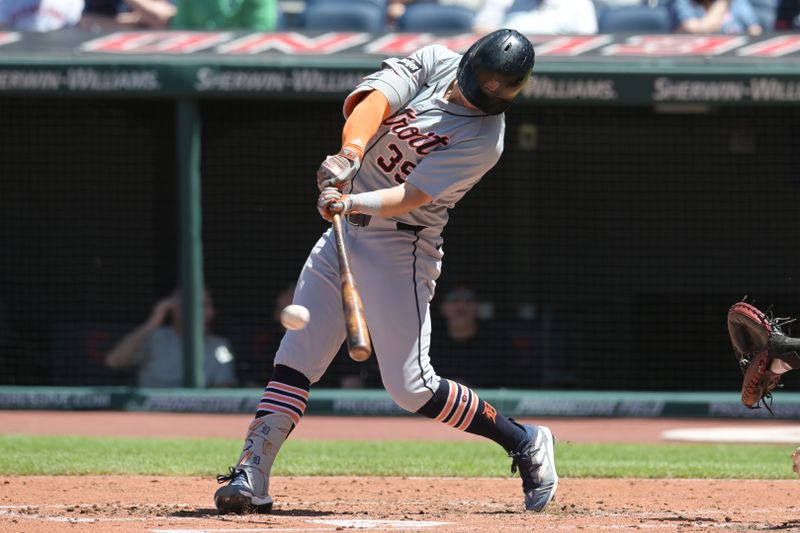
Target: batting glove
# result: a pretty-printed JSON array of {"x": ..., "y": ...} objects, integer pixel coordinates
[
  {"x": 332, "y": 201},
  {"x": 338, "y": 170}
]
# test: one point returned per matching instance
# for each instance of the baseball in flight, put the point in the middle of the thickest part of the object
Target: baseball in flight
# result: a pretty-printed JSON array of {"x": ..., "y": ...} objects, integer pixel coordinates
[{"x": 295, "y": 317}]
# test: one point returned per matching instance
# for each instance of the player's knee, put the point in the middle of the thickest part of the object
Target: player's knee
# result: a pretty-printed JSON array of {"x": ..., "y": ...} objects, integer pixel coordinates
[
  {"x": 410, "y": 397},
  {"x": 411, "y": 402},
  {"x": 310, "y": 368}
]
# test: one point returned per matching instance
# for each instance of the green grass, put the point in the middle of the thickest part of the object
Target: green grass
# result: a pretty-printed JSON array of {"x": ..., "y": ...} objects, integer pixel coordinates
[{"x": 28, "y": 455}]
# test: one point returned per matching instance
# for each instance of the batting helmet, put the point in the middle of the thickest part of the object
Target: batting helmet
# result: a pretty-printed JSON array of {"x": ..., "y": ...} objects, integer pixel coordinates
[{"x": 495, "y": 69}]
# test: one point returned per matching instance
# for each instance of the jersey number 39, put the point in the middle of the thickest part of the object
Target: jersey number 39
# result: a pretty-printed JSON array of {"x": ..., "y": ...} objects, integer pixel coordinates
[{"x": 396, "y": 162}]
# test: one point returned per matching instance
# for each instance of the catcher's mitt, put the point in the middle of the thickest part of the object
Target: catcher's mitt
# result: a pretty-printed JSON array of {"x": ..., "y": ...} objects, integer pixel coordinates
[{"x": 757, "y": 340}]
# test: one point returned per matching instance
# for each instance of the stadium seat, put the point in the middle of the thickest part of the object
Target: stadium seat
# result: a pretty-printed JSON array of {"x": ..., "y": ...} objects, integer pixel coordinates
[
  {"x": 345, "y": 15},
  {"x": 641, "y": 19},
  {"x": 383, "y": 4},
  {"x": 435, "y": 18}
]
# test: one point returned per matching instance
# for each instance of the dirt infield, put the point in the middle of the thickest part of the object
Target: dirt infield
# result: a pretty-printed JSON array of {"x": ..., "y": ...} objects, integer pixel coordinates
[
  {"x": 144, "y": 503},
  {"x": 319, "y": 504}
]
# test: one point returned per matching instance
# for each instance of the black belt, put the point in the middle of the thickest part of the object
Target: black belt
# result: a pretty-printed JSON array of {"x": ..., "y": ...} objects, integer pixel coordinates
[{"x": 362, "y": 221}]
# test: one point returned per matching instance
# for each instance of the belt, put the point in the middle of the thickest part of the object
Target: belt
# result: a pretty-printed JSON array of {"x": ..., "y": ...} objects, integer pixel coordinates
[{"x": 362, "y": 221}]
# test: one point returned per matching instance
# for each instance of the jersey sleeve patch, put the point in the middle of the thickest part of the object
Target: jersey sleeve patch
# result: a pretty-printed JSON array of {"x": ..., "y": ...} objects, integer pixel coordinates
[{"x": 410, "y": 64}]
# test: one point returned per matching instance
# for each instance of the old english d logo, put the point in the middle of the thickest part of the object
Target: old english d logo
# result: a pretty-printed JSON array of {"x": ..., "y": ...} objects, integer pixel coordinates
[{"x": 489, "y": 412}]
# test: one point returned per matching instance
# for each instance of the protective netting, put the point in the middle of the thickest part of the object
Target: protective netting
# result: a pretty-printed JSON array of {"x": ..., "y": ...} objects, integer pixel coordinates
[
  {"x": 87, "y": 232},
  {"x": 601, "y": 253}
]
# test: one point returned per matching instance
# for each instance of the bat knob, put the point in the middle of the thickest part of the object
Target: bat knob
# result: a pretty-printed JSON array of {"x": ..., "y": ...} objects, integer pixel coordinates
[{"x": 360, "y": 353}]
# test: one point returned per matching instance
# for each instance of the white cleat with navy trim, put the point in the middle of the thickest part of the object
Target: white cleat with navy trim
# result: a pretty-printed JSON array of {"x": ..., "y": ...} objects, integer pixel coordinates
[{"x": 535, "y": 460}]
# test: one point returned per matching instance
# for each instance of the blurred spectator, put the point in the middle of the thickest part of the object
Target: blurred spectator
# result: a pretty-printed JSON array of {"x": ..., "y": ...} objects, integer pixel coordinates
[
  {"x": 539, "y": 350},
  {"x": 39, "y": 15},
  {"x": 255, "y": 367},
  {"x": 396, "y": 8},
  {"x": 259, "y": 15},
  {"x": 155, "y": 348},
  {"x": 465, "y": 348},
  {"x": 102, "y": 14},
  {"x": 601, "y": 5},
  {"x": 109, "y": 8},
  {"x": 151, "y": 13},
  {"x": 715, "y": 16},
  {"x": 788, "y": 16},
  {"x": 112, "y": 14},
  {"x": 254, "y": 370},
  {"x": 345, "y": 373},
  {"x": 643, "y": 18},
  {"x": 538, "y": 17},
  {"x": 766, "y": 13}
]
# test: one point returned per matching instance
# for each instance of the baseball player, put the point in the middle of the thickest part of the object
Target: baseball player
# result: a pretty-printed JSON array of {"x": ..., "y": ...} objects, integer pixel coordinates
[{"x": 419, "y": 134}]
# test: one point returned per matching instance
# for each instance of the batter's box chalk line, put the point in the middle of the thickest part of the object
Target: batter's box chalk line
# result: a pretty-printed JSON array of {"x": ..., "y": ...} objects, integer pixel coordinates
[
  {"x": 380, "y": 525},
  {"x": 376, "y": 524}
]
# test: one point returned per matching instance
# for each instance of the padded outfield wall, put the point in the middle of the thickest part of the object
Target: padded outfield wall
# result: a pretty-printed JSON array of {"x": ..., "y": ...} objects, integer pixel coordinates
[{"x": 648, "y": 183}]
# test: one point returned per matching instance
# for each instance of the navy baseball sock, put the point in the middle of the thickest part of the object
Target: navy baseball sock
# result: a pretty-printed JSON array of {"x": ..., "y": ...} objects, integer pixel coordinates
[
  {"x": 460, "y": 407},
  {"x": 286, "y": 394}
]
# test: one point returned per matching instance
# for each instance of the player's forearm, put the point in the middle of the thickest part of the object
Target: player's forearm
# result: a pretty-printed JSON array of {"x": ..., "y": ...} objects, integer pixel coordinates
[
  {"x": 490, "y": 16},
  {"x": 390, "y": 202}
]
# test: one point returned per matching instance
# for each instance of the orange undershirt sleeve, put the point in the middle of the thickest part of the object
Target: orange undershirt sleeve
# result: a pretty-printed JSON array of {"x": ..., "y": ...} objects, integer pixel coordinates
[{"x": 364, "y": 121}]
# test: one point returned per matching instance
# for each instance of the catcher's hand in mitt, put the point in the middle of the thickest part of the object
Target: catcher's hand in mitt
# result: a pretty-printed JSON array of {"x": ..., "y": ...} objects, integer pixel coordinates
[{"x": 763, "y": 350}]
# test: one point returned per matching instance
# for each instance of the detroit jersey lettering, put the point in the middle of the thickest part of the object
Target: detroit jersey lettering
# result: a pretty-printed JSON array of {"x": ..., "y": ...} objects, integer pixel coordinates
[{"x": 440, "y": 147}]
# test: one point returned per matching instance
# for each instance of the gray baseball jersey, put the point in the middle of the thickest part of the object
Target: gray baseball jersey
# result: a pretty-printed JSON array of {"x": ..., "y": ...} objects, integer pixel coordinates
[{"x": 441, "y": 148}]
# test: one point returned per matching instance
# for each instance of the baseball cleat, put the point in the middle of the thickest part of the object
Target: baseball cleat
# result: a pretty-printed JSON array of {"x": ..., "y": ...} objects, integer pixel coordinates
[
  {"x": 535, "y": 460},
  {"x": 238, "y": 495}
]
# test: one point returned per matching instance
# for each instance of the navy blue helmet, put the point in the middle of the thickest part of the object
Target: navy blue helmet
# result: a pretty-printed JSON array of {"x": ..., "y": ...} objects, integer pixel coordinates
[{"x": 494, "y": 70}]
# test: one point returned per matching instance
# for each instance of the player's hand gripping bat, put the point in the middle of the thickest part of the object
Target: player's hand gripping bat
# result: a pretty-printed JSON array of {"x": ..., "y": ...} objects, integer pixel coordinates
[{"x": 358, "y": 343}]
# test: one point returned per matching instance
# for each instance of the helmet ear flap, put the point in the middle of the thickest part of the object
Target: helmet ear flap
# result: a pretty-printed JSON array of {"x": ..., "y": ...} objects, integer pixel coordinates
[{"x": 494, "y": 69}]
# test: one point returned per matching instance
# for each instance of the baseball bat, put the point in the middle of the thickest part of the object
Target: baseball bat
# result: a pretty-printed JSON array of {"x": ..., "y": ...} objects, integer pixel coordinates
[{"x": 359, "y": 345}]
